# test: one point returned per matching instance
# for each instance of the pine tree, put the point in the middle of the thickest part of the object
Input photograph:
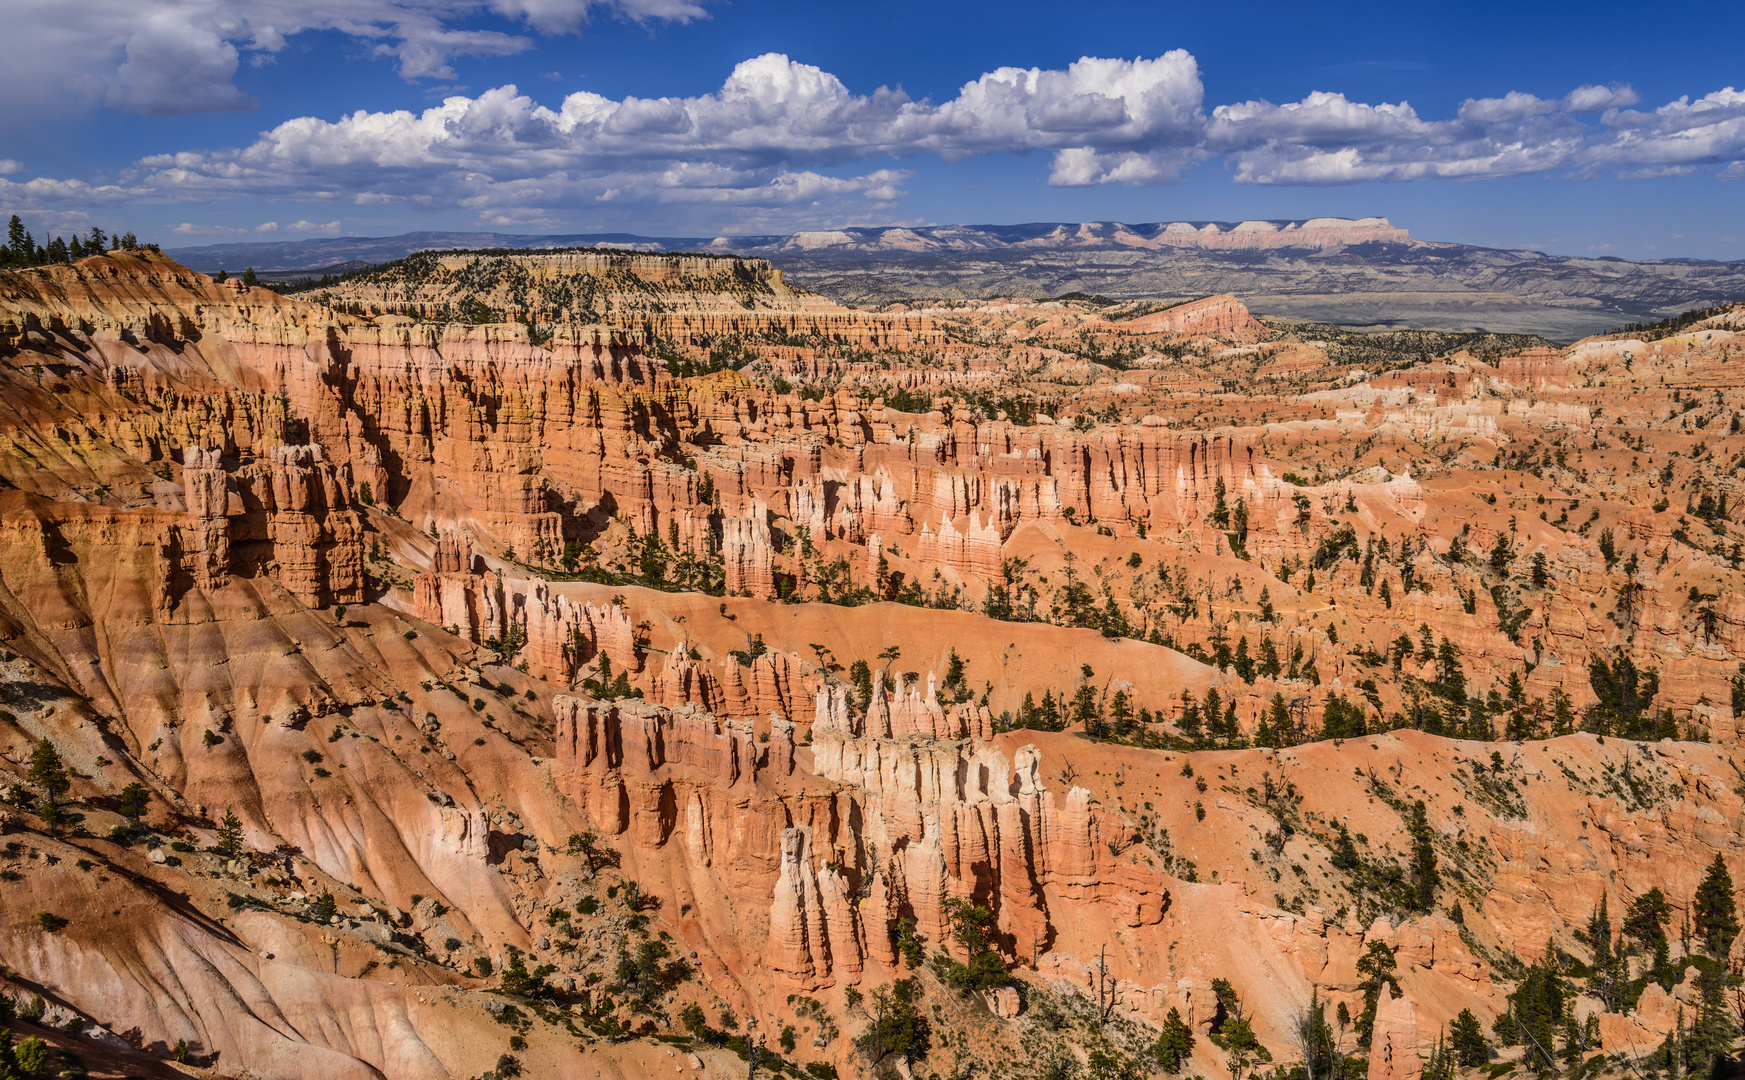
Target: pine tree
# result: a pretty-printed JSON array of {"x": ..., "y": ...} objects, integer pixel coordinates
[
  {"x": 1175, "y": 1043},
  {"x": 1314, "y": 1037},
  {"x": 1611, "y": 968},
  {"x": 1714, "y": 1031},
  {"x": 133, "y": 800},
  {"x": 1275, "y": 727},
  {"x": 1715, "y": 910},
  {"x": 1189, "y": 723},
  {"x": 1120, "y": 714},
  {"x": 46, "y": 769},
  {"x": 1441, "y": 1063},
  {"x": 230, "y": 835},
  {"x": 1466, "y": 1037},
  {"x": 1645, "y": 923},
  {"x": 1344, "y": 855},
  {"x": 1574, "y": 1041},
  {"x": 1341, "y": 719},
  {"x": 249, "y": 280},
  {"x": 1536, "y": 1012},
  {"x": 1376, "y": 965},
  {"x": 1425, "y": 877}
]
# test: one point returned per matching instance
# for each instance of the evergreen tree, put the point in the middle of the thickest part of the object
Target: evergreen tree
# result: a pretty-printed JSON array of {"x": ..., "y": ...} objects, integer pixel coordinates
[
  {"x": 1574, "y": 1039},
  {"x": 133, "y": 800},
  {"x": 1175, "y": 1042},
  {"x": 1611, "y": 969},
  {"x": 1376, "y": 966},
  {"x": 1086, "y": 711},
  {"x": 1716, "y": 912},
  {"x": 1441, "y": 1063},
  {"x": 1536, "y": 1012},
  {"x": 1314, "y": 1037},
  {"x": 1450, "y": 677},
  {"x": 1425, "y": 877},
  {"x": 1269, "y": 662},
  {"x": 230, "y": 835},
  {"x": 1243, "y": 662},
  {"x": 46, "y": 769},
  {"x": 1645, "y": 923},
  {"x": 18, "y": 243},
  {"x": 1714, "y": 1031},
  {"x": 249, "y": 280},
  {"x": 1233, "y": 1033},
  {"x": 1466, "y": 1038},
  {"x": 1275, "y": 726},
  {"x": 1341, "y": 719},
  {"x": 1189, "y": 722},
  {"x": 646, "y": 965},
  {"x": 1344, "y": 855},
  {"x": 1120, "y": 715}
]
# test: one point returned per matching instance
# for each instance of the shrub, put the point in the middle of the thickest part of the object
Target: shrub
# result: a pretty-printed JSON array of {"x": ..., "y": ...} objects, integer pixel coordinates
[
  {"x": 133, "y": 800},
  {"x": 32, "y": 1057}
]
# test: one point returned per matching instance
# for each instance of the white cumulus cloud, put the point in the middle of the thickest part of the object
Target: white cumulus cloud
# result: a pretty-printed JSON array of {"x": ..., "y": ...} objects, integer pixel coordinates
[
  {"x": 163, "y": 57},
  {"x": 1328, "y": 139},
  {"x": 781, "y": 139},
  {"x": 768, "y": 136}
]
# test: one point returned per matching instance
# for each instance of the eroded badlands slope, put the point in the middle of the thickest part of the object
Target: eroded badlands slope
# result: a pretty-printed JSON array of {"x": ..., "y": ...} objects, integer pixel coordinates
[{"x": 576, "y": 638}]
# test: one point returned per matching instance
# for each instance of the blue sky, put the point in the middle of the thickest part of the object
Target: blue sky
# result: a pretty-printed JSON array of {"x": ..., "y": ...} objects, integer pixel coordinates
[{"x": 1598, "y": 128}]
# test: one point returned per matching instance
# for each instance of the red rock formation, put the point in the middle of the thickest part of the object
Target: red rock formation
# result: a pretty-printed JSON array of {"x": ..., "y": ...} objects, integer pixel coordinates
[
  {"x": 1393, "y": 1050},
  {"x": 160, "y": 628},
  {"x": 748, "y": 553},
  {"x": 1210, "y": 315}
]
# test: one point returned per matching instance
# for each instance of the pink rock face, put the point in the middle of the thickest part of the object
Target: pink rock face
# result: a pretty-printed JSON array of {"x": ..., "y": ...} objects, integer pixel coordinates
[
  {"x": 748, "y": 553},
  {"x": 205, "y": 538},
  {"x": 799, "y": 942},
  {"x": 1209, "y": 315},
  {"x": 1393, "y": 1050},
  {"x": 561, "y": 634},
  {"x": 775, "y": 683},
  {"x": 291, "y": 519},
  {"x": 168, "y": 629},
  {"x": 974, "y": 551}
]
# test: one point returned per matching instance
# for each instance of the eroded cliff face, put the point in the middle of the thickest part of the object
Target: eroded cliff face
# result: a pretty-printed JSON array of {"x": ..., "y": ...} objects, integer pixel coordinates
[{"x": 477, "y": 629}]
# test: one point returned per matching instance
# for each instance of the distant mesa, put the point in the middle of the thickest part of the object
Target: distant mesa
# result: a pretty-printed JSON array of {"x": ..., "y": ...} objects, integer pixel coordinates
[
  {"x": 1360, "y": 272},
  {"x": 1315, "y": 233},
  {"x": 328, "y": 253}
]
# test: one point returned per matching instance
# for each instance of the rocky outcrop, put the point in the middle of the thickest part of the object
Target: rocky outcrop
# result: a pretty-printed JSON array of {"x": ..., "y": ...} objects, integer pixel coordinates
[
  {"x": 559, "y": 635},
  {"x": 290, "y": 517},
  {"x": 1223, "y": 314},
  {"x": 748, "y": 553},
  {"x": 1393, "y": 1049}
]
